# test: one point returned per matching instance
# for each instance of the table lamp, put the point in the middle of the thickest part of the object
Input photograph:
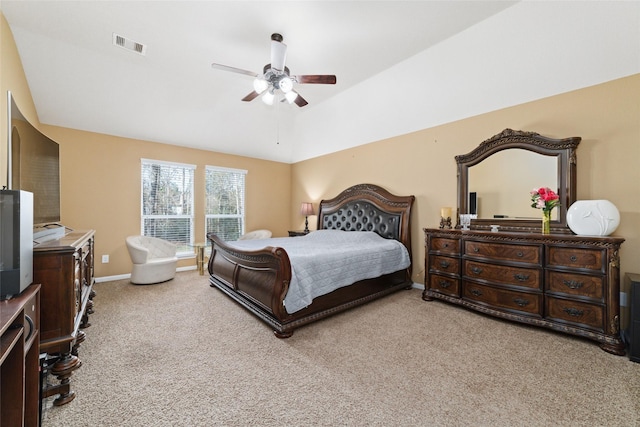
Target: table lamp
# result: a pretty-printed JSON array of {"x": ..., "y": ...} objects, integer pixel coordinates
[{"x": 306, "y": 209}]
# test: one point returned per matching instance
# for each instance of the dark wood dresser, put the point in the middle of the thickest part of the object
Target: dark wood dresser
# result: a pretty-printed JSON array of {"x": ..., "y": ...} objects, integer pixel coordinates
[
  {"x": 19, "y": 359},
  {"x": 562, "y": 282},
  {"x": 64, "y": 268}
]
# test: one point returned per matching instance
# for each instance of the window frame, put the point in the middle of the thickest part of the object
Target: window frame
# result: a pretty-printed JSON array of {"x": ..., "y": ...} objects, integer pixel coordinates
[{"x": 184, "y": 250}]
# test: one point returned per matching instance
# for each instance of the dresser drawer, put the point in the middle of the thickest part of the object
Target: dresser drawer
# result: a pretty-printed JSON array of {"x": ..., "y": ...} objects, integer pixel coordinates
[
  {"x": 516, "y": 276},
  {"x": 444, "y": 264},
  {"x": 578, "y": 313},
  {"x": 444, "y": 285},
  {"x": 591, "y": 259},
  {"x": 521, "y": 302},
  {"x": 443, "y": 245},
  {"x": 530, "y": 254},
  {"x": 576, "y": 284}
]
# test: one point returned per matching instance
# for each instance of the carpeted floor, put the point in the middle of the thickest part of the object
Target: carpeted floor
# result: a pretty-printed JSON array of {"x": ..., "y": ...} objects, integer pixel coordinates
[{"x": 182, "y": 354}]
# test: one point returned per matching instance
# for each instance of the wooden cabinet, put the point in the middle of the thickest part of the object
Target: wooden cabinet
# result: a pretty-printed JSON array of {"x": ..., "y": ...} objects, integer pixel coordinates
[
  {"x": 64, "y": 268},
  {"x": 19, "y": 358},
  {"x": 633, "y": 331},
  {"x": 566, "y": 283}
]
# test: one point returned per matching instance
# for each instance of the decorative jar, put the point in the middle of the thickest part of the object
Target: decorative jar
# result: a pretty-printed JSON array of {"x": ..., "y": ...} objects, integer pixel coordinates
[{"x": 593, "y": 217}]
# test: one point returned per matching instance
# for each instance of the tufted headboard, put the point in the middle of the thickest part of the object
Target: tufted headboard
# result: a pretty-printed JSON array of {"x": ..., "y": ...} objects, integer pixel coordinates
[{"x": 367, "y": 207}]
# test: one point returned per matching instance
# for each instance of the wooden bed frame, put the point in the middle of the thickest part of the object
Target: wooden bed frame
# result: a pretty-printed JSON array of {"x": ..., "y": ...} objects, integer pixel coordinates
[{"x": 259, "y": 280}]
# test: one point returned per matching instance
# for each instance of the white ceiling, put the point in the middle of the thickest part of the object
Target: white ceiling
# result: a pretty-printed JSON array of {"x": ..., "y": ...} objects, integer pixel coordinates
[{"x": 80, "y": 80}]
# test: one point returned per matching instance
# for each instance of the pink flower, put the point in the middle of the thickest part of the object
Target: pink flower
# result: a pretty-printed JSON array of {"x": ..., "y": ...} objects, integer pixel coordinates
[{"x": 544, "y": 198}]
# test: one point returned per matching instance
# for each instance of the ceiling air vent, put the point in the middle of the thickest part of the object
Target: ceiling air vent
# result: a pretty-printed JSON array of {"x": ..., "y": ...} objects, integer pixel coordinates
[{"x": 125, "y": 43}]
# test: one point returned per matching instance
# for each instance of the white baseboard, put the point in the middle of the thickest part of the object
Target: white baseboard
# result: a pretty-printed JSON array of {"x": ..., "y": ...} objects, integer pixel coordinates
[
  {"x": 112, "y": 278},
  {"x": 128, "y": 276}
]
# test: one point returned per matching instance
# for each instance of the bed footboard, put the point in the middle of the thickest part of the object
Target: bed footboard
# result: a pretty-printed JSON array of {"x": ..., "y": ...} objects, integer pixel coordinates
[{"x": 260, "y": 277}]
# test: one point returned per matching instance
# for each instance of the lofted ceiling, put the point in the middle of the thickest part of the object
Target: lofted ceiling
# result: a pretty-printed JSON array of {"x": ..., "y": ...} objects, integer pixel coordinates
[
  {"x": 171, "y": 94},
  {"x": 401, "y": 66}
]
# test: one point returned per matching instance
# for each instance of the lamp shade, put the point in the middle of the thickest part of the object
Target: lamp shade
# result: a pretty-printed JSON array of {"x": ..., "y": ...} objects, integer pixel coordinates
[
  {"x": 291, "y": 96},
  {"x": 306, "y": 209},
  {"x": 285, "y": 84},
  {"x": 260, "y": 85},
  {"x": 268, "y": 98}
]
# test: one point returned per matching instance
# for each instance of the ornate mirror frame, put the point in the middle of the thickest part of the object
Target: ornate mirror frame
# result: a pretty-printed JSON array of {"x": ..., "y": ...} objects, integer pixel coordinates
[{"x": 562, "y": 149}]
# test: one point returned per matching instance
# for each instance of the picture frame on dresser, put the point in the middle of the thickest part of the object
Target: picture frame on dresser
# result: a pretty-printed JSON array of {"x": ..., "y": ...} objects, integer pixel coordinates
[{"x": 558, "y": 281}]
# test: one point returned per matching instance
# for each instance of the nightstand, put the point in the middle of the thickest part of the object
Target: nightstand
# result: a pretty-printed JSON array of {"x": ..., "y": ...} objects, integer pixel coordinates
[{"x": 296, "y": 233}]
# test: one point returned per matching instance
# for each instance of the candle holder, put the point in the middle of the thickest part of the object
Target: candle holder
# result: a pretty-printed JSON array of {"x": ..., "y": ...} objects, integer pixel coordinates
[
  {"x": 445, "y": 222},
  {"x": 445, "y": 217}
]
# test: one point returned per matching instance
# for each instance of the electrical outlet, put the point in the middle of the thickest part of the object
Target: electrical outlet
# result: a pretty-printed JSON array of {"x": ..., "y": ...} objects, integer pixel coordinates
[{"x": 105, "y": 259}]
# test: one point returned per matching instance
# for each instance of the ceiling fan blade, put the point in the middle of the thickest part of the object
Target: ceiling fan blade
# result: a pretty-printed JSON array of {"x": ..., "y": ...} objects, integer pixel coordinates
[
  {"x": 324, "y": 79},
  {"x": 253, "y": 95},
  {"x": 233, "y": 69},
  {"x": 300, "y": 101},
  {"x": 278, "y": 54}
]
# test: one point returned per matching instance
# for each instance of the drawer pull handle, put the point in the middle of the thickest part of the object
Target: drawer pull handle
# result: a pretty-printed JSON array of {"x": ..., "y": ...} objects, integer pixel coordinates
[
  {"x": 446, "y": 245},
  {"x": 573, "y": 258},
  {"x": 476, "y": 270},
  {"x": 444, "y": 284},
  {"x": 476, "y": 250},
  {"x": 521, "y": 302},
  {"x": 476, "y": 292},
  {"x": 445, "y": 264},
  {"x": 520, "y": 254},
  {"x": 573, "y": 312},
  {"x": 573, "y": 284},
  {"x": 521, "y": 277}
]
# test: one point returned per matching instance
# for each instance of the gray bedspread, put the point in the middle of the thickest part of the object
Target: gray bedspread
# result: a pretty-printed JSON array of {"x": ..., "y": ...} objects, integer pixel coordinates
[{"x": 325, "y": 260}]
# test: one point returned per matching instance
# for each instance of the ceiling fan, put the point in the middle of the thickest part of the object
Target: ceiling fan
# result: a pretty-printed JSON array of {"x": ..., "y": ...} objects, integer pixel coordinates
[{"x": 276, "y": 78}]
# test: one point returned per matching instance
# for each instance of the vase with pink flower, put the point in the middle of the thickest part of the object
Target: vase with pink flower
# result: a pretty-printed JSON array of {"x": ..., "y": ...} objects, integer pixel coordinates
[{"x": 546, "y": 199}]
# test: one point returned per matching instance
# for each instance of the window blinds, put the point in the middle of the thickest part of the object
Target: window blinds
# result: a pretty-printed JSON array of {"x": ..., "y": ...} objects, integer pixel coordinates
[
  {"x": 224, "y": 202},
  {"x": 167, "y": 201}
]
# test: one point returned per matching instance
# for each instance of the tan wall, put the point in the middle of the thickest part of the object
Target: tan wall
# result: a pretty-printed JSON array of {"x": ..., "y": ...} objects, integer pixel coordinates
[
  {"x": 100, "y": 182},
  {"x": 606, "y": 116},
  {"x": 11, "y": 78}
]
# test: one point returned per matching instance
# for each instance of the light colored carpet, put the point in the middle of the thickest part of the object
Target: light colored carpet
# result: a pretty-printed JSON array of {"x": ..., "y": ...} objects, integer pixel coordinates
[{"x": 183, "y": 354}]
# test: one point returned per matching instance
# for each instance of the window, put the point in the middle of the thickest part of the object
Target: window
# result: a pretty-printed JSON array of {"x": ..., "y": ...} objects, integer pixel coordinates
[
  {"x": 167, "y": 202},
  {"x": 224, "y": 204}
]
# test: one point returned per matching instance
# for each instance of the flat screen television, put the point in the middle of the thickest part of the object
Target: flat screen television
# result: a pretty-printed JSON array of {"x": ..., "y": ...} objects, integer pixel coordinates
[{"x": 34, "y": 166}]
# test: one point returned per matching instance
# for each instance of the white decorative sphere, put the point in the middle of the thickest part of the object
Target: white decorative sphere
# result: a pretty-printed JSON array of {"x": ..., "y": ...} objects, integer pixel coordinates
[{"x": 593, "y": 217}]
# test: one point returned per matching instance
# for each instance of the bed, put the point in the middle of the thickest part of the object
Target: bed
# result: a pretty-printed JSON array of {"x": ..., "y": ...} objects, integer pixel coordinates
[{"x": 260, "y": 275}]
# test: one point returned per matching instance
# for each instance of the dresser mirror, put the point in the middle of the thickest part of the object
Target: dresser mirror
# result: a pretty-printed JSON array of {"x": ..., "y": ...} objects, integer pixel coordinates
[{"x": 496, "y": 178}]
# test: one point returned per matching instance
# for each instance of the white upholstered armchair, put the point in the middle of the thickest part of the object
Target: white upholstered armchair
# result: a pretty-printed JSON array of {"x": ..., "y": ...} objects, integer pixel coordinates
[
  {"x": 154, "y": 260},
  {"x": 256, "y": 234}
]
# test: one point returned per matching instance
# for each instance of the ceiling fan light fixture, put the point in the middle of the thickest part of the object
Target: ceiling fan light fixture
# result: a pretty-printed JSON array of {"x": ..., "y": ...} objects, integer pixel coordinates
[
  {"x": 276, "y": 78},
  {"x": 285, "y": 84},
  {"x": 291, "y": 96},
  {"x": 260, "y": 85},
  {"x": 268, "y": 98}
]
